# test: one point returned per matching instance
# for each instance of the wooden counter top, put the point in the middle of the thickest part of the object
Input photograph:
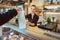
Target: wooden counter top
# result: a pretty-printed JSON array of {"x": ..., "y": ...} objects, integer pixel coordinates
[{"x": 35, "y": 31}]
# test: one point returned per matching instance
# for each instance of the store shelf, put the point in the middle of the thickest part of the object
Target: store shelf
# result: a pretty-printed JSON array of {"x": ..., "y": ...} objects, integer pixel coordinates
[
  {"x": 53, "y": 5},
  {"x": 6, "y": 6}
]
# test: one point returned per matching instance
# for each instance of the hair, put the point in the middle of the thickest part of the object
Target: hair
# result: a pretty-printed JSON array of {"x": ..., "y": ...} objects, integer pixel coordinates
[{"x": 34, "y": 6}]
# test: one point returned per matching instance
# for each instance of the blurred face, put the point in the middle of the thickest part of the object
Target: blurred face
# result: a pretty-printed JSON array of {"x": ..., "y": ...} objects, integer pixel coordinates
[{"x": 33, "y": 9}]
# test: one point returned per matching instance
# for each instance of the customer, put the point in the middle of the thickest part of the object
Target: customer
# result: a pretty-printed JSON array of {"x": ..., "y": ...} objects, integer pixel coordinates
[
  {"x": 5, "y": 17},
  {"x": 32, "y": 18}
]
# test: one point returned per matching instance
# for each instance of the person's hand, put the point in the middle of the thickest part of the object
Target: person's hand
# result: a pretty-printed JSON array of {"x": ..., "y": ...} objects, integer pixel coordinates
[
  {"x": 32, "y": 24},
  {"x": 29, "y": 23},
  {"x": 19, "y": 9}
]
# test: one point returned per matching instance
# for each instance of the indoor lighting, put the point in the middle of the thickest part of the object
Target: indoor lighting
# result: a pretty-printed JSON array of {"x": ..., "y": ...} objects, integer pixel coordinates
[
  {"x": 26, "y": 3},
  {"x": 15, "y": 0}
]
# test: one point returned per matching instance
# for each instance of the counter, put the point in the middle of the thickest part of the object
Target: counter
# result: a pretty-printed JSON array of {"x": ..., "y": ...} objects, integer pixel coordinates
[
  {"x": 16, "y": 28},
  {"x": 37, "y": 32},
  {"x": 33, "y": 32}
]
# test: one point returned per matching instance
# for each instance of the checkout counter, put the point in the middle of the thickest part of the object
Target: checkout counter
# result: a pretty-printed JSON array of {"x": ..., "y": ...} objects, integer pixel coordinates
[{"x": 34, "y": 32}]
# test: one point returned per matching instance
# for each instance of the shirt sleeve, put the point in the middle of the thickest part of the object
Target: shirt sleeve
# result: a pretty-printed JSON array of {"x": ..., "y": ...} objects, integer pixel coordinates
[
  {"x": 5, "y": 17},
  {"x": 26, "y": 16},
  {"x": 36, "y": 20}
]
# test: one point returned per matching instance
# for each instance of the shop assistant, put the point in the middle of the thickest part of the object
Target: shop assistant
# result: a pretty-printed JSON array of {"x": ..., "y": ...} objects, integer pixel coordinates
[{"x": 32, "y": 18}]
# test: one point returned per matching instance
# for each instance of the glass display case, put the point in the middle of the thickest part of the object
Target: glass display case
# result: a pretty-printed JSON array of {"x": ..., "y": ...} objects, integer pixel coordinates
[{"x": 10, "y": 34}]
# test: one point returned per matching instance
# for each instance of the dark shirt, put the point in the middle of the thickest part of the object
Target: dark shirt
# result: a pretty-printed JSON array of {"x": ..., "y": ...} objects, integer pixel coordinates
[
  {"x": 5, "y": 17},
  {"x": 34, "y": 20}
]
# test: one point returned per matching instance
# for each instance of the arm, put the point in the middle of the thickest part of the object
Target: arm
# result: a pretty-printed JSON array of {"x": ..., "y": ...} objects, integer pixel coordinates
[
  {"x": 30, "y": 23},
  {"x": 36, "y": 20},
  {"x": 5, "y": 17}
]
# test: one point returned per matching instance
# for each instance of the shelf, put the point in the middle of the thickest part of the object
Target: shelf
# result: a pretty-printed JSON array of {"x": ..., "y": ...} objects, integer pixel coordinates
[
  {"x": 53, "y": 5},
  {"x": 6, "y": 6}
]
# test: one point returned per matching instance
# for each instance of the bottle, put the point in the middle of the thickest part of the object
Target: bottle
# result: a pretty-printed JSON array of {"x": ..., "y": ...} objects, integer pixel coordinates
[{"x": 51, "y": 2}]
